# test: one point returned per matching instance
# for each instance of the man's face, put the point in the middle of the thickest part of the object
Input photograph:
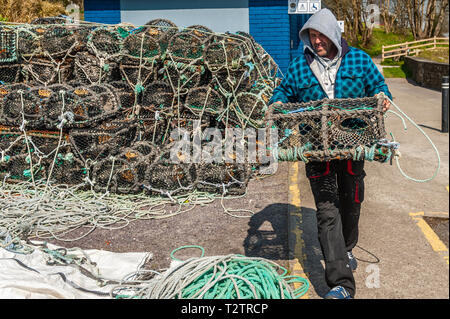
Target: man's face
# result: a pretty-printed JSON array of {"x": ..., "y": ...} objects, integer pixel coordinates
[{"x": 322, "y": 45}]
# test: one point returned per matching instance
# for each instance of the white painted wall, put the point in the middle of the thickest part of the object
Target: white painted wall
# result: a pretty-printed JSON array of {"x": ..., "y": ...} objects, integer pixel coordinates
[{"x": 218, "y": 15}]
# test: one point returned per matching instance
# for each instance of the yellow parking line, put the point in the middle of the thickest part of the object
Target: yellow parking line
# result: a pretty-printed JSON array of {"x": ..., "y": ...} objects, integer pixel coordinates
[
  {"x": 294, "y": 200},
  {"x": 435, "y": 242}
]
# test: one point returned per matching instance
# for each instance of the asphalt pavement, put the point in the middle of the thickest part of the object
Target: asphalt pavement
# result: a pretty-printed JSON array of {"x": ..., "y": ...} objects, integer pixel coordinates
[{"x": 399, "y": 255}]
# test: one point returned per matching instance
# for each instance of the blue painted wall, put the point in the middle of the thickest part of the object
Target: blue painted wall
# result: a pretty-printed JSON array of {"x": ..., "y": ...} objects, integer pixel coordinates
[
  {"x": 269, "y": 26},
  {"x": 102, "y": 11},
  {"x": 276, "y": 30}
]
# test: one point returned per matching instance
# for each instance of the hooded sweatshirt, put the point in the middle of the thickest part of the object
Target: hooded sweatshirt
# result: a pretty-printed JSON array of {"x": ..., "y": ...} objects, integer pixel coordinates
[
  {"x": 324, "y": 69},
  {"x": 352, "y": 75}
]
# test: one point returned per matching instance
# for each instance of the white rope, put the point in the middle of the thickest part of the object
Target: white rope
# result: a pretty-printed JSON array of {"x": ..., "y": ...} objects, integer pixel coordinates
[{"x": 402, "y": 116}]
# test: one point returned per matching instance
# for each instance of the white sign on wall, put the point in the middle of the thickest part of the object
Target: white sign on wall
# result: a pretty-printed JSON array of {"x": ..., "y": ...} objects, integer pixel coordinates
[
  {"x": 304, "y": 6},
  {"x": 341, "y": 25}
]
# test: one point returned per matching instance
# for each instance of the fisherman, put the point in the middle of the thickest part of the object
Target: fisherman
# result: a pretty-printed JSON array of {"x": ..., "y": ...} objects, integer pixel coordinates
[{"x": 329, "y": 68}]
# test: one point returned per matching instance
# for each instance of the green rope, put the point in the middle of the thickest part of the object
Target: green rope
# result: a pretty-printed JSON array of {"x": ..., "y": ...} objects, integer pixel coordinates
[
  {"x": 294, "y": 153},
  {"x": 218, "y": 277},
  {"x": 139, "y": 89}
]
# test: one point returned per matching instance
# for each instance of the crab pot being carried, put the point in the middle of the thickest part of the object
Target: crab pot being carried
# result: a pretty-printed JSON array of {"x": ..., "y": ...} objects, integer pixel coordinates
[{"x": 331, "y": 129}]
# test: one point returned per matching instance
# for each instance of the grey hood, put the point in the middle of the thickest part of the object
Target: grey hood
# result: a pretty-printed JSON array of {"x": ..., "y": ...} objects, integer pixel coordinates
[{"x": 325, "y": 22}]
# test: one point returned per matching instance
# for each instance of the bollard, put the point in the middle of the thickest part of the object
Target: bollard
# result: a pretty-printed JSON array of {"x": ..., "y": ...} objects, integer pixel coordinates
[{"x": 444, "y": 104}]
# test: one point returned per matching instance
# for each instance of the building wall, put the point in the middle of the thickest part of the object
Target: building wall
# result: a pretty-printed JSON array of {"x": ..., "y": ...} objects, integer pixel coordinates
[
  {"x": 276, "y": 30},
  {"x": 102, "y": 11},
  {"x": 267, "y": 21},
  {"x": 269, "y": 26},
  {"x": 218, "y": 15}
]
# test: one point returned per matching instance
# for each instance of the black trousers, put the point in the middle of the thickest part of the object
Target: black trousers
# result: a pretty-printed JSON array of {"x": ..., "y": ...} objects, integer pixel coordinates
[{"x": 338, "y": 189}]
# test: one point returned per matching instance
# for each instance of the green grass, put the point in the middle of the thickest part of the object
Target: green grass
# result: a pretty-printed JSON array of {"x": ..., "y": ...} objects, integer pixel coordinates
[
  {"x": 436, "y": 55},
  {"x": 391, "y": 62},
  {"x": 397, "y": 71},
  {"x": 380, "y": 38}
]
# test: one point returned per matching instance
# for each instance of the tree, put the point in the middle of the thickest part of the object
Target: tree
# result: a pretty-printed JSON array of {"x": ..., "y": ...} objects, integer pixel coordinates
[
  {"x": 388, "y": 14},
  {"x": 426, "y": 17},
  {"x": 358, "y": 28}
]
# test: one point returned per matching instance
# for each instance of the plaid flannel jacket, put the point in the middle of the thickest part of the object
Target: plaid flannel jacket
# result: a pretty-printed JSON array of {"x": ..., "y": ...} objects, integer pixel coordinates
[{"x": 357, "y": 77}]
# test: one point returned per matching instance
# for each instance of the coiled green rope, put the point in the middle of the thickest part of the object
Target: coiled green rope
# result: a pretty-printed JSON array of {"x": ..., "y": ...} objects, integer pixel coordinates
[{"x": 217, "y": 277}]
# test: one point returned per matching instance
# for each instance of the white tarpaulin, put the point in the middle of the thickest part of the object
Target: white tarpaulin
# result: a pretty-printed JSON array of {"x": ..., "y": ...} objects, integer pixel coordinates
[{"x": 29, "y": 276}]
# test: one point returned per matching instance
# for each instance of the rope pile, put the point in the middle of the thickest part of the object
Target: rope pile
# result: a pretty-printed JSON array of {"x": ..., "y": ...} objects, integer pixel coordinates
[
  {"x": 216, "y": 277},
  {"x": 69, "y": 213}
]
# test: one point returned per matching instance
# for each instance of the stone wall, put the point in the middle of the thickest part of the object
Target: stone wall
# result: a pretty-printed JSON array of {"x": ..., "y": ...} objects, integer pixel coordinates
[{"x": 427, "y": 73}]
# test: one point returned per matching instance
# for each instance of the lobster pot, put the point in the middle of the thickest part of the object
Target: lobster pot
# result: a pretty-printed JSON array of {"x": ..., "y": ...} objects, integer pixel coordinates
[
  {"x": 95, "y": 103},
  {"x": 124, "y": 173},
  {"x": 105, "y": 43},
  {"x": 59, "y": 107},
  {"x": 67, "y": 169},
  {"x": 238, "y": 80},
  {"x": 180, "y": 76},
  {"x": 125, "y": 96},
  {"x": 10, "y": 73},
  {"x": 58, "y": 41},
  {"x": 205, "y": 34},
  {"x": 141, "y": 45},
  {"x": 330, "y": 129},
  {"x": 8, "y": 49},
  {"x": 45, "y": 72},
  {"x": 204, "y": 100},
  {"x": 161, "y": 30},
  {"x": 89, "y": 69},
  {"x": 103, "y": 141},
  {"x": 268, "y": 68},
  {"x": 21, "y": 104},
  {"x": 157, "y": 101},
  {"x": 250, "y": 109},
  {"x": 155, "y": 130},
  {"x": 187, "y": 123},
  {"x": 29, "y": 155},
  {"x": 138, "y": 73},
  {"x": 49, "y": 20},
  {"x": 221, "y": 177},
  {"x": 106, "y": 96},
  {"x": 226, "y": 52},
  {"x": 186, "y": 47},
  {"x": 173, "y": 178},
  {"x": 103, "y": 105}
]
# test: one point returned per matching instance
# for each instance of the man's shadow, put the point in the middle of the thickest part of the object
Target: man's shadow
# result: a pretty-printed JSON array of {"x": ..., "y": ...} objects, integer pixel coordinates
[{"x": 279, "y": 230}]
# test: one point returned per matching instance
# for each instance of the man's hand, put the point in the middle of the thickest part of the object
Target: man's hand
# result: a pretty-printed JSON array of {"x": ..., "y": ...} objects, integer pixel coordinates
[{"x": 386, "y": 105}]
